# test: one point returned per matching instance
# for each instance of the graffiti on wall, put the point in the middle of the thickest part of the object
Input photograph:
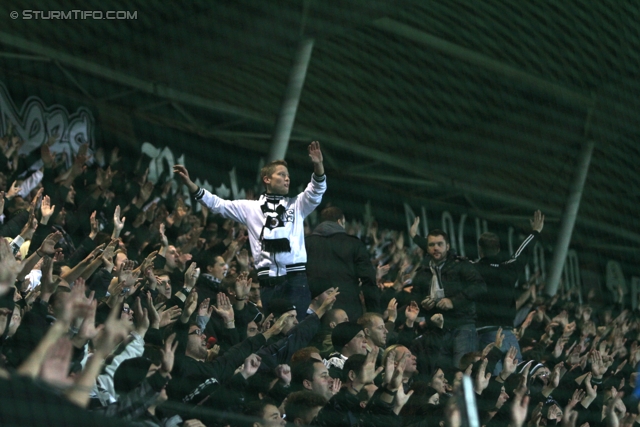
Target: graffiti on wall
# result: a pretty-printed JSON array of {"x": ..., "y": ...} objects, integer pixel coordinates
[{"x": 34, "y": 122}]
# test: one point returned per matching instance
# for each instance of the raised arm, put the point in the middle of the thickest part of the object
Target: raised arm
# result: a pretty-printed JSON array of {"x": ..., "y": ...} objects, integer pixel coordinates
[
  {"x": 316, "y": 158},
  {"x": 183, "y": 175}
]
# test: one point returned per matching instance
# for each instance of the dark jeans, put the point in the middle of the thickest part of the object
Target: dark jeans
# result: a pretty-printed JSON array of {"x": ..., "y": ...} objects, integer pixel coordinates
[
  {"x": 292, "y": 288},
  {"x": 485, "y": 338},
  {"x": 458, "y": 342}
]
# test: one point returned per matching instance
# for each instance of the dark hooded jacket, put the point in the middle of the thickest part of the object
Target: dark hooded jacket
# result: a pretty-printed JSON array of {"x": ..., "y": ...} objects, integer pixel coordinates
[{"x": 336, "y": 259}]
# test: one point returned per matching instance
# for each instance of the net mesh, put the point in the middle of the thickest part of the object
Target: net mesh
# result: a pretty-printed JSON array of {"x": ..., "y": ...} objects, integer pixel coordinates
[{"x": 476, "y": 108}]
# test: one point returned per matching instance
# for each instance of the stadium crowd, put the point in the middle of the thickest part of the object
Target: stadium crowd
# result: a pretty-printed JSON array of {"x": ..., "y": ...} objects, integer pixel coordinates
[{"x": 121, "y": 305}]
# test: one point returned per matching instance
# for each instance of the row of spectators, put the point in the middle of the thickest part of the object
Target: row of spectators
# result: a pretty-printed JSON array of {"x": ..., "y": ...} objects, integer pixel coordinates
[{"x": 119, "y": 305}]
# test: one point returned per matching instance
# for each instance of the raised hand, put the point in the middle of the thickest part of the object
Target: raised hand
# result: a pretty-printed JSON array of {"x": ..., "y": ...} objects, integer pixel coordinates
[
  {"x": 411, "y": 312},
  {"x": 242, "y": 257},
  {"x": 598, "y": 367},
  {"x": 55, "y": 366},
  {"x": 499, "y": 338},
  {"x": 130, "y": 277},
  {"x": 168, "y": 354},
  {"x": 314, "y": 152},
  {"x": 189, "y": 306},
  {"x": 191, "y": 276},
  {"x": 88, "y": 330},
  {"x": 396, "y": 379},
  {"x": 250, "y": 366},
  {"x": 328, "y": 302},
  {"x": 481, "y": 381},
  {"x": 141, "y": 318},
  {"x": 428, "y": 303},
  {"x": 336, "y": 386},
  {"x": 278, "y": 325},
  {"x": 392, "y": 310},
  {"x": 204, "y": 309},
  {"x": 520, "y": 407},
  {"x": 147, "y": 264},
  {"x": 145, "y": 192},
  {"x": 48, "y": 246},
  {"x": 163, "y": 238},
  {"x": 381, "y": 271},
  {"x": 368, "y": 372},
  {"x": 104, "y": 178},
  {"x": 414, "y": 227},
  {"x": 509, "y": 364},
  {"x": 168, "y": 316},
  {"x": 537, "y": 223},
  {"x": 224, "y": 308},
  {"x": 14, "y": 190},
  {"x": 118, "y": 224},
  {"x": 46, "y": 210},
  {"x": 242, "y": 286},
  {"x": 115, "y": 330},
  {"x": 284, "y": 373}
]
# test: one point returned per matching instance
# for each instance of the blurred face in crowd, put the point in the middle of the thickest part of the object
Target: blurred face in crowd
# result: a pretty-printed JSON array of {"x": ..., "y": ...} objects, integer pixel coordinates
[
  {"x": 271, "y": 417},
  {"x": 164, "y": 285},
  {"x": 71, "y": 195},
  {"x": 502, "y": 399},
  {"x": 357, "y": 345},
  {"x": 218, "y": 269},
  {"x": 290, "y": 322},
  {"x": 278, "y": 182},
  {"x": 252, "y": 329},
  {"x": 61, "y": 217},
  {"x": 411, "y": 365},
  {"x": 339, "y": 316},
  {"x": 121, "y": 258},
  {"x": 16, "y": 319},
  {"x": 321, "y": 382},
  {"x": 196, "y": 343},
  {"x": 437, "y": 247},
  {"x": 172, "y": 258},
  {"x": 127, "y": 313},
  {"x": 376, "y": 332},
  {"x": 439, "y": 382},
  {"x": 254, "y": 293}
]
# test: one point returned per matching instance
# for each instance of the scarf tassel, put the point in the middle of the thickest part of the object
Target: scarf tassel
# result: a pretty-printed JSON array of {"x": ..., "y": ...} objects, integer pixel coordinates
[{"x": 276, "y": 245}]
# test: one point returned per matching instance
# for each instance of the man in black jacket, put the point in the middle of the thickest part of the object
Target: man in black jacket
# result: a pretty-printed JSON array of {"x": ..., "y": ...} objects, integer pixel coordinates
[
  {"x": 450, "y": 286},
  {"x": 336, "y": 259},
  {"x": 498, "y": 308}
]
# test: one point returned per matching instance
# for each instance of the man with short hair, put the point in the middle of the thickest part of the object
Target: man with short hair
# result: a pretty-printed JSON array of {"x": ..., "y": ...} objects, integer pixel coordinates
[
  {"x": 450, "y": 286},
  {"x": 312, "y": 375},
  {"x": 374, "y": 329},
  {"x": 266, "y": 413},
  {"x": 275, "y": 224},
  {"x": 338, "y": 260},
  {"x": 303, "y": 406}
]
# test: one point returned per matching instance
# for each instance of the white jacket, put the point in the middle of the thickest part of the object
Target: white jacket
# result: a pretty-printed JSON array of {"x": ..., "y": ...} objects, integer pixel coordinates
[
  {"x": 104, "y": 389},
  {"x": 290, "y": 220}
]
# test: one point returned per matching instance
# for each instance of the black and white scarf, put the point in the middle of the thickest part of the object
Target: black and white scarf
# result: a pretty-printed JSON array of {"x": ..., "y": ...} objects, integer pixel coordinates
[{"x": 278, "y": 224}]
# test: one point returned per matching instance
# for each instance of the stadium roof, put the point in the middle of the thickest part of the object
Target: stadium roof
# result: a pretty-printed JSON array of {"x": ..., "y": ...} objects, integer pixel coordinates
[{"x": 479, "y": 106}]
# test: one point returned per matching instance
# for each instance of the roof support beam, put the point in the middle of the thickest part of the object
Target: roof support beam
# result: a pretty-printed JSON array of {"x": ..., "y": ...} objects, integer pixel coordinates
[
  {"x": 289, "y": 107},
  {"x": 569, "y": 217},
  {"x": 11, "y": 55},
  {"x": 127, "y": 80},
  {"x": 73, "y": 80},
  {"x": 552, "y": 89}
]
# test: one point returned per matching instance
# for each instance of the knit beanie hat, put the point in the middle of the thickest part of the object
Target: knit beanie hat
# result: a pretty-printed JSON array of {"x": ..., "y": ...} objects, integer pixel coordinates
[{"x": 343, "y": 333}]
